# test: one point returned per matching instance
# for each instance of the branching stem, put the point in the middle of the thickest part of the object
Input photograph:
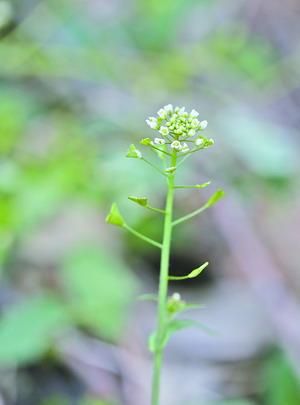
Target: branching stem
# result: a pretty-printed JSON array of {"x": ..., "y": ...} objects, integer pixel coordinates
[
  {"x": 143, "y": 237},
  {"x": 154, "y": 167},
  {"x": 163, "y": 285},
  {"x": 189, "y": 216}
]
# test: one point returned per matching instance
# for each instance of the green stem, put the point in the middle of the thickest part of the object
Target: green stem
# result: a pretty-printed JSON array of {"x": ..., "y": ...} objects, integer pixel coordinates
[
  {"x": 191, "y": 215},
  {"x": 154, "y": 167},
  {"x": 160, "y": 150},
  {"x": 155, "y": 209},
  {"x": 143, "y": 237},
  {"x": 163, "y": 286},
  {"x": 203, "y": 185}
]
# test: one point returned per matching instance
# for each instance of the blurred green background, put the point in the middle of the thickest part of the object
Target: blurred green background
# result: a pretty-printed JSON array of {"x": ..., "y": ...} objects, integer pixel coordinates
[{"x": 77, "y": 80}]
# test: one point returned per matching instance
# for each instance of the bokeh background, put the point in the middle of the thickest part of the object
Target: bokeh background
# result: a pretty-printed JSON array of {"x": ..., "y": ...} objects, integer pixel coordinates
[{"x": 77, "y": 80}]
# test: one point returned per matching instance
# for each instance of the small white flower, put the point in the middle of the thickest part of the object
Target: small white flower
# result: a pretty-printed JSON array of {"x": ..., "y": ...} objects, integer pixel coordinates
[
  {"x": 199, "y": 142},
  {"x": 162, "y": 113},
  {"x": 159, "y": 141},
  {"x": 203, "y": 124},
  {"x": 185, "y": 147},
  {"x": 181, "y": 111},
  {"x": 191, "y": 132},
  {"x": 194, "y": 113},
  {"x": 176, "y": 145},
  {"x": 168, "y": 108},
  {"x": 152, "y": 122},
  {"x": 176, "y": 296},
  {"x": 164, "y": 131},
  {"x": 195, "y": 123}
]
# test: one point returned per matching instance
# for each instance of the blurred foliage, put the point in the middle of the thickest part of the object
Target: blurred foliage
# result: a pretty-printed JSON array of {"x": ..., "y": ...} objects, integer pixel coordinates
[
  {"x": 100, "y": 288},
  {"x": 77, "y": 80},
  {"x": 282, "y": 387},
  {"x": 26, "y": 331},
  {"x": 62, "y": 401},
  {"x": 234, "y": 402}
]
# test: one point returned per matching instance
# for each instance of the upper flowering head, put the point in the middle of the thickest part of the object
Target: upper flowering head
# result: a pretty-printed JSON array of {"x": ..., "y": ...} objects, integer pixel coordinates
[{"x": 175, "y": 125}]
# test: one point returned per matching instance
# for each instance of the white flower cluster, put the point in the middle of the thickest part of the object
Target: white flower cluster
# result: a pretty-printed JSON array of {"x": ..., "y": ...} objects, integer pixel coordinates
[{"x": 176, "y": 126}]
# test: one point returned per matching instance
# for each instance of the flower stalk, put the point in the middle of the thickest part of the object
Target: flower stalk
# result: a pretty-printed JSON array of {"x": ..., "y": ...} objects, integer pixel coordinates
[
  {"x": 178, "y": 130},
  {"x": 163, "y": 284}
]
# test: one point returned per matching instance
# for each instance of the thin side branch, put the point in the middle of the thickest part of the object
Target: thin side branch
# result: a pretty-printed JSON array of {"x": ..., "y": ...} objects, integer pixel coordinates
[
  {"x": 154, "y": 167},
  {"x": 183, "y": 159},
  {"x": 197, "y": 186},
  {"x": 189, "y": 216},
  {"x": 155, "y": 209},
  {"x": 143, "y": 237},
  {"x": 160, "y": 150}
]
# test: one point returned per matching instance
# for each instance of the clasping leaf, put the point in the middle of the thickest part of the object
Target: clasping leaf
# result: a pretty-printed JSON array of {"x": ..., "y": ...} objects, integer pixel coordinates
[
  {"x": 147, "y": 297},
  {"x": 194, "y": 273},
  {"x": 180, "y": 324},
  {"x": 143, "y": 201},
  {"x": 215, "y": 198},
  {"x": 114, "y": 217},
  {"x": 133, "y": 152},
  {"x": 170, "y": 169},
  {"x": 146, "y": 141}
]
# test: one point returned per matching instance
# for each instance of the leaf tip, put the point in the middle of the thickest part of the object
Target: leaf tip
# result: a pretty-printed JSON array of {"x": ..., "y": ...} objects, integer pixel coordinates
[{"x": 114, "y": 216}]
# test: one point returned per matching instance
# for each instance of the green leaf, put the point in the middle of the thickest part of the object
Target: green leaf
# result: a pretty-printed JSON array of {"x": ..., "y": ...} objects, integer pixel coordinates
[
  {"x": 152, "y": 342},
  {"x": 114, "y": 217},
  {"x": 203, "y": 185},
  {"x": 143, "y": 201},
  {"x": 93, "y": 401},
  {"x": 172, "y": 327},
  {"x": 175, "y": 304},
  {"x": 27, "y": 330},
  {"x": 188, "y": 307},
  {"x": 195, "y": 273},
  {"x": 180, "y": 324},
  {"x": 100, "y": 289},
  {"x": 133, "y": 152},
  {"x": 170, "y": 169},
  {"x": 146, "y": 141},
  {"x": 215, "y": 198},
  {"x": 147, "y": 297},
  {"x": 235, "y": 402},
  {"x": 281, "y": 384}
]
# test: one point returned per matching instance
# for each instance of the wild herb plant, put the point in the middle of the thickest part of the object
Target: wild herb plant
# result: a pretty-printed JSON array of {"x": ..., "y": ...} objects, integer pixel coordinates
[{"x": 179, "y": 136}]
